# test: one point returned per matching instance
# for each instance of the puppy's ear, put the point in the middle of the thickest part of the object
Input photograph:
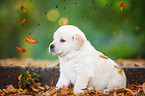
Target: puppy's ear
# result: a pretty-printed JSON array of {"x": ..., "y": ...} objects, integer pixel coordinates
[{"x": 78, "y": 41}]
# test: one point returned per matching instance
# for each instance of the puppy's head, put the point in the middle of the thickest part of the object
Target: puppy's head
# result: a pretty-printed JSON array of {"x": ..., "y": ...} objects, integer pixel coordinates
[{"x": 67, "y": 39}]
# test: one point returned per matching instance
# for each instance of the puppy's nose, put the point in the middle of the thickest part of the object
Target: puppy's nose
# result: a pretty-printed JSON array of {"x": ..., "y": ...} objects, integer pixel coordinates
[{"x": 51, "y": 46}]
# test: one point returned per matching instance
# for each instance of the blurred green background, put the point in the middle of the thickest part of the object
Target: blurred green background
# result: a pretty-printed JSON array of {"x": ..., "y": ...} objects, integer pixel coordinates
[{"x": 116, "y": 33}]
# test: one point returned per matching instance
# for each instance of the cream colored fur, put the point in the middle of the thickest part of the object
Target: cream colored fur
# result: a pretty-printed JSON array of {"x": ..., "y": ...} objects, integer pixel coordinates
[{"x": 81, "y": 64}]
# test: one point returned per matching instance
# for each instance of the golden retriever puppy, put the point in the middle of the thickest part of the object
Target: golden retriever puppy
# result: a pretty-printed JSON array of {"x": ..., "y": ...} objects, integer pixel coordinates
[{"x": 81, "y": 64}]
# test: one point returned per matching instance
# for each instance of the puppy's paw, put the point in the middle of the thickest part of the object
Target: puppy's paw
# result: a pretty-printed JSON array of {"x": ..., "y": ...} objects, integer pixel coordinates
[
  {"x": 78, "y": 91},
  {"x": 59, "y": 85},
  {"x": 106, "y": 90}
]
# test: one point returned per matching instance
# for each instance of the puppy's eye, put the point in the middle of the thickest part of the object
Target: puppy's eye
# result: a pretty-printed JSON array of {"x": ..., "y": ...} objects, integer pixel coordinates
[{"x": 62, "y": 40}]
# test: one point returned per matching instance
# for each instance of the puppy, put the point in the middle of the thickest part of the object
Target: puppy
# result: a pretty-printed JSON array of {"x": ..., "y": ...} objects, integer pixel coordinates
[{"x": 81, "y": 64}]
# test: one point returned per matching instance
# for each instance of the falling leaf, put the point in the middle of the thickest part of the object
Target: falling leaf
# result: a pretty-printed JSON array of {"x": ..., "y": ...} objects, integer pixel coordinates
[
  {"x": 31, "y": 40},
  {"x": 137, "y": 28},
  {"x": 23, "y": 9},
  {"x": 65, "y": 21},
  {"x": 23, "y": 20},
  {"x": 43, "y": 18},
  {"x": 122, "y": 4},
  {"x": 102, "y": 56},
  {"x": 21, "y": 50},
  {"x": 18, "y": 2},
  {"x": 82, "y": 16},
  {"x": 56, "y": 6}
]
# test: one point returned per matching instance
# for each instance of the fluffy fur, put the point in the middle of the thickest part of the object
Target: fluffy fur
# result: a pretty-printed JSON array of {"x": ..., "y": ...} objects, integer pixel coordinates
[{"x": 81, "y": 64}]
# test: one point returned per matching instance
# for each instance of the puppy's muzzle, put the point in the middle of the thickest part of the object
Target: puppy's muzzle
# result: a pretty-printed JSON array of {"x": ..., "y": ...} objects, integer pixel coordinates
[{"x": 52, "y": 48}]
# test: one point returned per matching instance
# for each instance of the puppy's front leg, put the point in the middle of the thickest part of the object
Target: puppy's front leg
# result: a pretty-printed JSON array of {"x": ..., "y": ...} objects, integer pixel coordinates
[
  {"x": 80, "y": 84},
  {"x": 62, "y": 81}
]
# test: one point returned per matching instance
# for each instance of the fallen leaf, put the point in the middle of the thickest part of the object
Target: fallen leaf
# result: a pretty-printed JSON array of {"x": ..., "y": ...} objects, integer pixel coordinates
[
  {"x": 23, "y": 9},
  {"x": 53, "y": 91},
  {"x": 1, "y": 91},
  {"x": 122, "y": 4},
  {"x": 10, "y": 88},
  {"x": 5, "y": 90},
  {"x": 37, "y": 83},
  {"x": 21, "y": 50},
  {"x": 19, "y": 84},
  {"x": 19, "y": 78},
  {"x": 25, "y": 91},
  {"x": 102, "y": 56},
  {"x": 47, "y": 87},
  {"x": 41, "y": 88},
  {"x": 31, "y": 40},
  {"x": 24, "y": 20},
  {"x": 98, "y": 91},
  {"x": 115, "y": 94},
  {"x": 13, "y": 91},
  {"x": 64, "y": 90},
  {"x": 34, "y": 89},
  {"x": 144, "y": 87}
]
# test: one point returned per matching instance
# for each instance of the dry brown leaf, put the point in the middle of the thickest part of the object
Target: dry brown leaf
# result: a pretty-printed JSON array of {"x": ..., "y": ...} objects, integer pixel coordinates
[
  {"x": 19, "y": 77},
  {"x": 21, "y": 50},
  {"x": 25, "y": 91},
  {"x": 53, "y": 91},
  {"x": 24, "y": 20},
  {"x": 13, "y": 91},
  {"x": 19, "y": 84},
  {"x": 86, "y": 91},
  {"x": 34, "y": 89},
  {"x": 31, "y": 40},
  {"x": 41, "y": 88},
  {"x": 65, "y": 90},
  {"x": 37, "y": 83},
  {"x": 10, "y": 88},
  {"x": 114, "y": 94},
  {"x": 23, "y": 9},
  {"x": 98, "y": 91},
  {"x": 47, "y": 87},
  {"x": 5, "y": 90},
  {"x": 137, "y": 28},
  {"x": 122, "y": 4},
  {"x": 1, "y": 91},
  {"x": 144, "y": 87},
  {"x": 78, "y": 94},
  {"x": 102, "y": 56},
  {"x": 18, "y": 2}
]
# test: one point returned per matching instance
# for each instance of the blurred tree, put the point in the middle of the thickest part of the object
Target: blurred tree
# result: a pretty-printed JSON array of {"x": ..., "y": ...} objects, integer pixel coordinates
[{"x": 116, "y": 33}]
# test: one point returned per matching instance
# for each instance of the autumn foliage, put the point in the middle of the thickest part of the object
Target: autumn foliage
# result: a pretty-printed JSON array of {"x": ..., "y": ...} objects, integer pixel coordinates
[
  {"x": 24, "y": 20},
  {"x": 21, "y": 50},
  {"x": 30, "y": 40},
  {"x": 122, "y": 5},
  {"x": 23, "y": 9}
]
